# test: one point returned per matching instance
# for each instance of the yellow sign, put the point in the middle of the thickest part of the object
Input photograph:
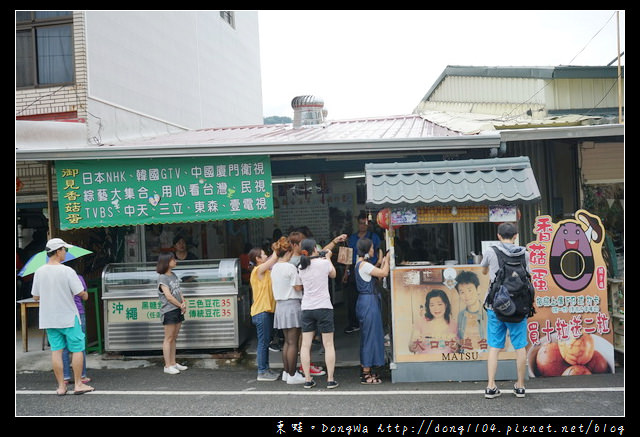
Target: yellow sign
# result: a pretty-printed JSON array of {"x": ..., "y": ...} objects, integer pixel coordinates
[
  {"x": 440, "y": 214},
  {"x": 448, "y": 214}
]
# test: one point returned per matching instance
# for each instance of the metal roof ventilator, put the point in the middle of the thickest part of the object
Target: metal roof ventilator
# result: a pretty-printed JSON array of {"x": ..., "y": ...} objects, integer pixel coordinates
[{"x": 308, "y": 111}]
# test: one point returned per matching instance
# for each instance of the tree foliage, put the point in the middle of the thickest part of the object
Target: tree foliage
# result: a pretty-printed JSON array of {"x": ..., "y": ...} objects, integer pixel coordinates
[{"x": 276, "y": 119}]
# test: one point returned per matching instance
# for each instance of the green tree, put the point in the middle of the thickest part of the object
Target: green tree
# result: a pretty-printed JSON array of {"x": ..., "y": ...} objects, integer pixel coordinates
[{"x": 276, "y": 119}]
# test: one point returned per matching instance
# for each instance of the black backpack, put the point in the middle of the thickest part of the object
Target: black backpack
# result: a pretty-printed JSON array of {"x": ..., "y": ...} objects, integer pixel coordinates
[{"x": 511, "y": 293}]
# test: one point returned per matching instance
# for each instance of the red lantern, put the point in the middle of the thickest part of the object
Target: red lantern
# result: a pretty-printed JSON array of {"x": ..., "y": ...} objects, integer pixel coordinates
[{"x": 384, "y": 218}]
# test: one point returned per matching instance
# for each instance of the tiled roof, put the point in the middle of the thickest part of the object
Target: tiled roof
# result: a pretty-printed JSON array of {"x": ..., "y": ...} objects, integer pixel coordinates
[{"x": 498, "y": 181}]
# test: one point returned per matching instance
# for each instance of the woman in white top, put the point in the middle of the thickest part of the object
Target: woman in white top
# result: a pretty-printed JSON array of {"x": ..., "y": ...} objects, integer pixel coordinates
[
  {"x": 287, "y": 291},
  {"x": 317, "y": 311}
]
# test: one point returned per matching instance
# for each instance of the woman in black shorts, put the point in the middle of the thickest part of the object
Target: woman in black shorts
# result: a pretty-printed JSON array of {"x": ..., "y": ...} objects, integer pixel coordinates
[
  {"x": 317, "y": 309},
  {"x": 172, "y": 310}
]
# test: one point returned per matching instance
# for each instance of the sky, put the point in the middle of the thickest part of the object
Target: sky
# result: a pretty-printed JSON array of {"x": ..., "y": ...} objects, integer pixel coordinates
[{"x": 366, "y": 63}]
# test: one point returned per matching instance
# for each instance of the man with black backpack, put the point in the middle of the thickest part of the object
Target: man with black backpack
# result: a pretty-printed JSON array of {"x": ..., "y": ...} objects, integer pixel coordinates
[{"x": 505, "y": 312}]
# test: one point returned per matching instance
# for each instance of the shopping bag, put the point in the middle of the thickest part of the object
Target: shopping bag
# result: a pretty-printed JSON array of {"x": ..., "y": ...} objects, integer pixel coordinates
[{"x": 345, "y": 255}]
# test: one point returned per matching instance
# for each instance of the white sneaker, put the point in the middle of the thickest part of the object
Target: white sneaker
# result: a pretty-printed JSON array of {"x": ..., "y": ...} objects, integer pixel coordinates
[
  {"x": 171, "y": 370},
  {"x": 180, "y": 367},
  {"x": 297, "y": 378},
  {"x": 285, "y": 375}
]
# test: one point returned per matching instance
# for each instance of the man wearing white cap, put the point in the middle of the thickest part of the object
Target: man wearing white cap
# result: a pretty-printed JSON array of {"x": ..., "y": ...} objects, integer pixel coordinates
[{"x": 54, "y": 285}]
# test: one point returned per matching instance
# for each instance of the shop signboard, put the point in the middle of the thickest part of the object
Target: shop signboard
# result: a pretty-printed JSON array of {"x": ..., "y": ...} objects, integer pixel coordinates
[
  {"x": 571, "y": 333},
  {"x": 452, "y": 214},
  {"x": 123, "y": 192},
  {"x": 148, "y": 310}
]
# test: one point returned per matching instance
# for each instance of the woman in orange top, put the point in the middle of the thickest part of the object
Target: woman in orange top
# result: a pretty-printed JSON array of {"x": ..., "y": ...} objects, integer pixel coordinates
[{"x": 262, "y": 308}]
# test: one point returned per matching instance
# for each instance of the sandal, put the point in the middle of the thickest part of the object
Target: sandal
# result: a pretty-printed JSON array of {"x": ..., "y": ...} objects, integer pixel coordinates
[
  {"x": 369, "y": 378},
  {"x": 82, "y": 391}
]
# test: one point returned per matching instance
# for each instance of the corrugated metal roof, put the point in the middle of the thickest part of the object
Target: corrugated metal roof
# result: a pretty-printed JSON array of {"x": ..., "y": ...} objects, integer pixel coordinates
[
  {"x": 380, "y": 128},
  {"x": 547, "y": 73},
  {"x": 498, "y": 181},
  {"x": 389, "y": 133},
  {"x": 477, "y": 123},
  {"x": 495, "y": 98}
]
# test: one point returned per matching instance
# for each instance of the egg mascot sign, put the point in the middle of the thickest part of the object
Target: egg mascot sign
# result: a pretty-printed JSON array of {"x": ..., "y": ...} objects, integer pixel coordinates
[{"x": 571, "y": 332}]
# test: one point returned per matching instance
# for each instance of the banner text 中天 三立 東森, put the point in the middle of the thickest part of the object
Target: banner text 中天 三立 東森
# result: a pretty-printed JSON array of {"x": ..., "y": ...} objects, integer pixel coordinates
[{"x": 123, "y": 192}]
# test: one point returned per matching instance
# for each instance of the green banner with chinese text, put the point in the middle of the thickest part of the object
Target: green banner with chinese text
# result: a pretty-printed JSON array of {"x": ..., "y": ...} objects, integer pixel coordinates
[{"x": 123, "y": 192}]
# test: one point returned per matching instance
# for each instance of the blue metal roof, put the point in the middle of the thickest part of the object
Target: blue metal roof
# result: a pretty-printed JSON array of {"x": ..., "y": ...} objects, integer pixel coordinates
[{"x": 499, "y": 181}]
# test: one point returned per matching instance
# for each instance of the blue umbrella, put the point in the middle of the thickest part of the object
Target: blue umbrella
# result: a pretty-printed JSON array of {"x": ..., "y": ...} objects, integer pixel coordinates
[{"x": 40, "y": 259}]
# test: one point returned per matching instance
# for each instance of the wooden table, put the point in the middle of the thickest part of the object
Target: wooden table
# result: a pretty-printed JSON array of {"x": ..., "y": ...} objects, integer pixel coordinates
[
  {"x": 24, "y": 304},
  {"x": 32, "y": 303}
]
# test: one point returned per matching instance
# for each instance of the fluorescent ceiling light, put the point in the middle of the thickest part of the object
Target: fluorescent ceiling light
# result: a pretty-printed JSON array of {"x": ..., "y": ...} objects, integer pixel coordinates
[
  {"x": 290, "y": 179},
  {"x": 353, "y": 175}
]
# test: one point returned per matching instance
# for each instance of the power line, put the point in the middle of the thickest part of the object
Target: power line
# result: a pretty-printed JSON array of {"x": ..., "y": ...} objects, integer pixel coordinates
[
  {"x": 589, "y": 42},
  {"x": 509, "y": 114}
]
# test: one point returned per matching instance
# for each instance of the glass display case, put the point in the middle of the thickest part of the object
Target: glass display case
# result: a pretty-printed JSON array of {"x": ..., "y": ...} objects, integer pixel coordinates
[{"x": 218, "y": 306}]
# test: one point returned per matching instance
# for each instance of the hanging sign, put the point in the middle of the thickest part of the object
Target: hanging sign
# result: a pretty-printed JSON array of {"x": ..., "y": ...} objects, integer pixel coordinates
[
  {"x": 445, "y": 214},
  {"x": 571, "y": 332},
  {"x": 123, "y": 192}
]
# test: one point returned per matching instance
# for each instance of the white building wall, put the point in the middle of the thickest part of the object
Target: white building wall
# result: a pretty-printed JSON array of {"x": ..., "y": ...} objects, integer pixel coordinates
[{"x": 154, "y": 72}]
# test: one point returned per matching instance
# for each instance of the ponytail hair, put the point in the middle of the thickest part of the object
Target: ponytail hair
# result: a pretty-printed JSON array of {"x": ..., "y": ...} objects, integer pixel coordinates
[
  {"x": 307, "y": 246},
  {"x": 363, "y": 247}
]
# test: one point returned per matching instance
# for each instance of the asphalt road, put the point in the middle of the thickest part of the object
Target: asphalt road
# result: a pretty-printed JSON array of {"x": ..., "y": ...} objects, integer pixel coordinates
[{"x": 232, "y": 392}]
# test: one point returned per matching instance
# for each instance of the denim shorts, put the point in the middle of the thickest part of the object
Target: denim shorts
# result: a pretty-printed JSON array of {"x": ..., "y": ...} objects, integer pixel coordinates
[
  {"x": 497, "y": 332},
  {"x": 320, "y": 320},
  {"x": 72, "y": 338}
]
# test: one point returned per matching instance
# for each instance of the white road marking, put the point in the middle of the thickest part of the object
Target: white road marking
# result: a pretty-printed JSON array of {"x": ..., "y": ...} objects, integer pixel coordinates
[{"x": 314, "y": 392}]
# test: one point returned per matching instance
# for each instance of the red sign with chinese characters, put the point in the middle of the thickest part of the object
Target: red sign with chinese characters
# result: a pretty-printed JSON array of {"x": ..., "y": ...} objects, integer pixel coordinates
[{"x": 571, "y": 332}]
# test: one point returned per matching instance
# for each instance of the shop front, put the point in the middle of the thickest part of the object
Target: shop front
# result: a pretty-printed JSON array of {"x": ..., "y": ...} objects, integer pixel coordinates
[
  {"x": 132, "y": 201},
  {"x": 438, "y": 322}
]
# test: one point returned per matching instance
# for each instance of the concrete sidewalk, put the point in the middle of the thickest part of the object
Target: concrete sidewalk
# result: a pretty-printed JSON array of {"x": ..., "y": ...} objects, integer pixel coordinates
[
  {"x": 347, "y": 351},
  {"x": 37, "y": 359}
]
